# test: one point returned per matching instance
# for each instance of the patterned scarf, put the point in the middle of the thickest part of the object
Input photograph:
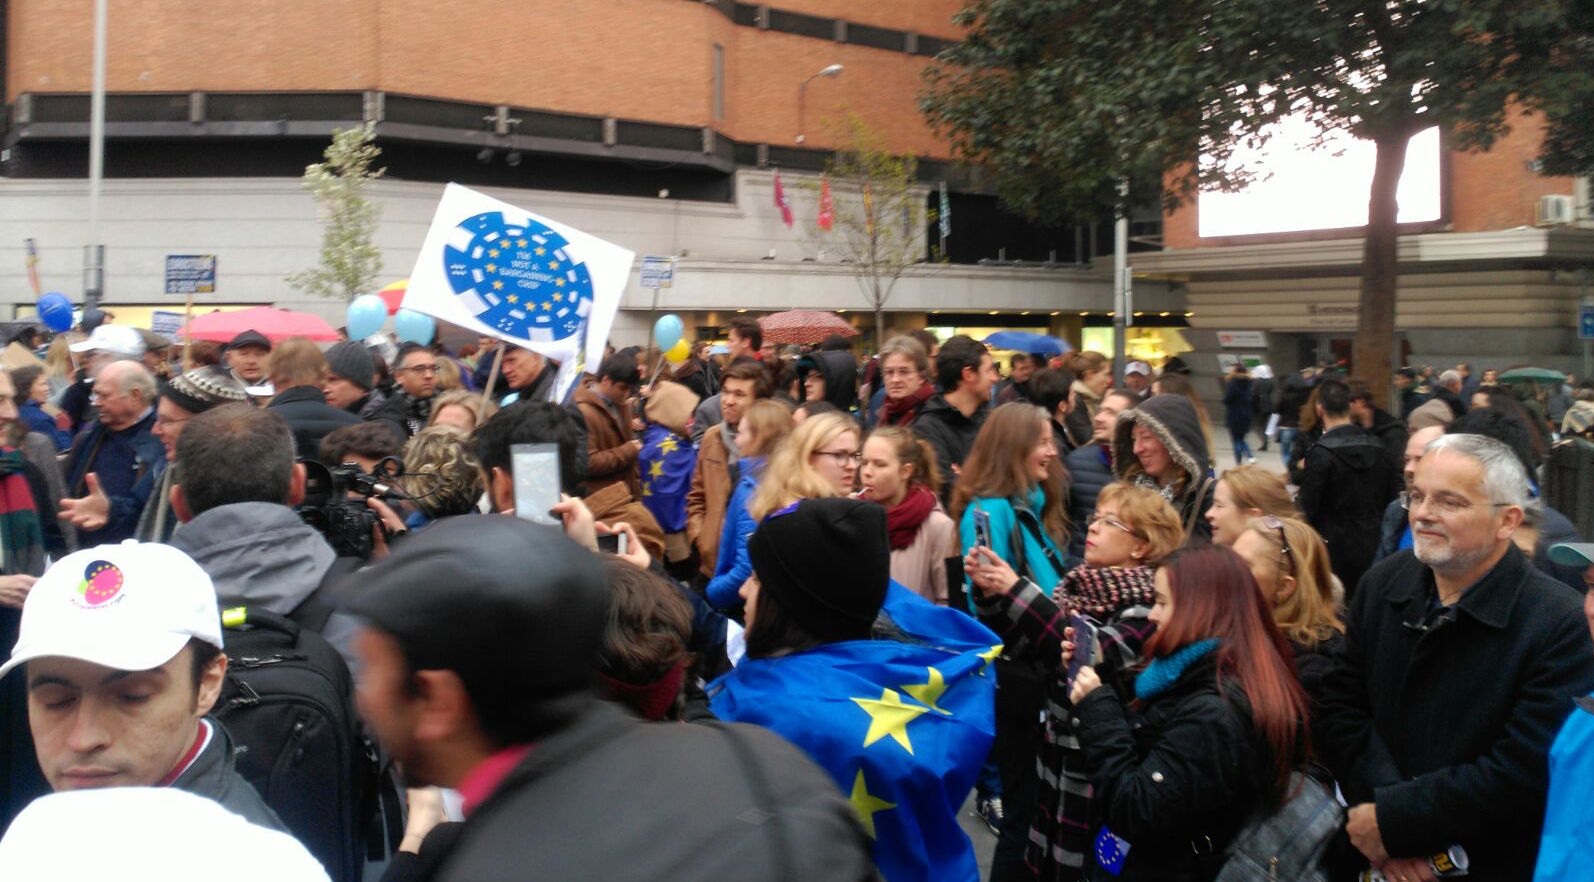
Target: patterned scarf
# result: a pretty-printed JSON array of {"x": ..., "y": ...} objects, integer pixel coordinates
[
  {"x": 21, "y": 536},
  {"x": 1103, "y": 592},
  {"x": 1164, "y": 672}
]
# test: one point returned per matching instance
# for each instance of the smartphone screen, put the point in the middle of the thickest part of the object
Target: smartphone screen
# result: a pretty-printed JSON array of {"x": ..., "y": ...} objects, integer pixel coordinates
[
  {"x": 615, "y": 543},
  {"x": 536, "y": 481},
  {"x": 982, "y": 528},
  {"x": 1084, "y": 644}
]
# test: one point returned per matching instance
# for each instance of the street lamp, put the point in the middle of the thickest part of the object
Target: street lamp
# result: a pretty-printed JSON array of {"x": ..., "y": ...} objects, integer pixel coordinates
[{"x": 831, "y": 71}]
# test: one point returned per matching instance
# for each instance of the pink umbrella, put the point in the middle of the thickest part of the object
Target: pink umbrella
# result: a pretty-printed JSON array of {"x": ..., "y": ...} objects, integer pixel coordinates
[
  {"x": 804, "y": 326},
  {"x": 276, "y": 324}
]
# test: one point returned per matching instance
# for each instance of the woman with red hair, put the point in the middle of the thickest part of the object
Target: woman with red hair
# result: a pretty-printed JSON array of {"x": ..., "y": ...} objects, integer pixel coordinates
[{"x": 1217, "y": 725}]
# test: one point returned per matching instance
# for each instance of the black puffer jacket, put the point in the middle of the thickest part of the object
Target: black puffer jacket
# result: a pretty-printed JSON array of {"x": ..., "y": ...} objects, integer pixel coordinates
[
  {"x": 1173, "y": 419},
  {"x": 1177, "y": 779},
  {"x": 1344, "y": 487},
  {"x": 950, "y": 432}
]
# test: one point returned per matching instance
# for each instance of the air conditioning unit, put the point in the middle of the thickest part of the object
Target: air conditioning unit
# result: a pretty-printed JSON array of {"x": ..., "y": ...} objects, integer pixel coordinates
[{"x": 1553, "y": 211}]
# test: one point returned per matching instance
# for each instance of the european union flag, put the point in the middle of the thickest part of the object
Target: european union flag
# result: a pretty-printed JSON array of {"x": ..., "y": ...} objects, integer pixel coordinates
[
  {"x": 902, "y": 725},
  {"x": 666, "y": 463}
]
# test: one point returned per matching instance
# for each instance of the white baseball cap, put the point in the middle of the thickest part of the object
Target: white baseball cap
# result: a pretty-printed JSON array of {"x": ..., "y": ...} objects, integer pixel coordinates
[
  {"x": 120, "y": 339},
  {"x": 131, "y": 607},
  {"x": 1138, "y": 367}
]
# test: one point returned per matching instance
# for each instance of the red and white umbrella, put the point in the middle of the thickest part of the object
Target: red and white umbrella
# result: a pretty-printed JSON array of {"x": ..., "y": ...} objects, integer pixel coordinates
[
  {"x": 276, "y": 324},
  {"x": 804, "y": 326}
]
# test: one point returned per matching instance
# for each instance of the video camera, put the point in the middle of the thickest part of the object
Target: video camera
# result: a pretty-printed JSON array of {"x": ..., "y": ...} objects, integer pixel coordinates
[{"x": 334, "y": 502}]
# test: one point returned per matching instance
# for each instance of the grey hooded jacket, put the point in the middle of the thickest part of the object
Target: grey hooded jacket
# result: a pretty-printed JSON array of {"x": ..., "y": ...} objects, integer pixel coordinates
[
  {"x": 1174, "y": 422},
  {"x": 262, "y": 555}
]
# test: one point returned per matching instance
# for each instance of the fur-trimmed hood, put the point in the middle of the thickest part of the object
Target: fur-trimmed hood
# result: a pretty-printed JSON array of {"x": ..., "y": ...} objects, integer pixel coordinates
[{"x": 1173, "y": 419}]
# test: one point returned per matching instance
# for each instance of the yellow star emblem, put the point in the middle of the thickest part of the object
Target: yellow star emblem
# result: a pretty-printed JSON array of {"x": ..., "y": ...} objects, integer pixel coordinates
[
  {"x": 547, "y": 307},
  {"x": 559, "y": 282},
  {"x": 539, "y": 251},
  {"x": 990, "y": 656},
  {"x": 512, "y": 299},
  {"x": 492, "y": 267},
  {"x": 866, "y": 805},
  {"x": 553, "y": 264},
  {"x": 647, "y": 489},
  {"x": 492, "y": 252},
  {"x": 656, "y": 470},
  {"x": 668, "y": 445},
  {"x": 889, "y": 716},
  {"x": 521, "y": 243},
  {"x": 928, "y": 693},
  {"x": 498, "y": 285}
]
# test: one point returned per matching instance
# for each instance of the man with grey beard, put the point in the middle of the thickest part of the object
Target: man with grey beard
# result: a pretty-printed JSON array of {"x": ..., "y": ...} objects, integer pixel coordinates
[{"x": 1461, "y": 661}]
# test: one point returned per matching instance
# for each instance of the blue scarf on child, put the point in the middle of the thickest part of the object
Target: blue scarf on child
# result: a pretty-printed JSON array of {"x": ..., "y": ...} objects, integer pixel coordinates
[{"x": 1164, "y": 672}]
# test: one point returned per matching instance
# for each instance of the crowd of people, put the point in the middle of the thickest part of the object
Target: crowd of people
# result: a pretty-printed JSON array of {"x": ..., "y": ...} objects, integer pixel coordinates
[{"x": 785, "y": 613}]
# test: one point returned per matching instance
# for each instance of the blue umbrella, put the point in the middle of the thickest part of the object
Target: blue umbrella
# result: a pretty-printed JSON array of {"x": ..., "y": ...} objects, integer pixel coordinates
[{"x": 1028, "y": 342}]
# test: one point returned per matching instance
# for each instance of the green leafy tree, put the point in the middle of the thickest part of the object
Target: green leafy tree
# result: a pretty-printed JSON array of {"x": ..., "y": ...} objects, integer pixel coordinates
[
  {"x": 1062, "y": 99},
  {"x": 350, "y": 260},
  {"x": 878, "y": 226}
]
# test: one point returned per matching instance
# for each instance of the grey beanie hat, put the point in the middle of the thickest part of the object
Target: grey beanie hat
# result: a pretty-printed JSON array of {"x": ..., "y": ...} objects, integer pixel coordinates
[{"x": 353, "y": 362}]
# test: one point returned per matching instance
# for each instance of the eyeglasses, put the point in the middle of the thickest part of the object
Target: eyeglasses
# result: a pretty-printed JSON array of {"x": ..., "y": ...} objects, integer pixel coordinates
[
  {"x": 842, "y": 457},
  {"x": 1285, "y": 552},
  {"x": 1411, "y": 500},
  {"x": 899, "y": 372},
  {"x": 420, "y": 369},
  {"x": 1117, "y": 524},
  {"x": 161, "y": 420}
]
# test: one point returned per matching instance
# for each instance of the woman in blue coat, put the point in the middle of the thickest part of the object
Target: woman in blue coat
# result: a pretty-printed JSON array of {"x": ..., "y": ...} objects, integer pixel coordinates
[{"x": 763, "y": 427}]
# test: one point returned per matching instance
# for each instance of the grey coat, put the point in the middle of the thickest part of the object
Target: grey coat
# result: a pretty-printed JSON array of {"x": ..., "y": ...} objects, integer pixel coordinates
[{"x": 213, "y": 776}]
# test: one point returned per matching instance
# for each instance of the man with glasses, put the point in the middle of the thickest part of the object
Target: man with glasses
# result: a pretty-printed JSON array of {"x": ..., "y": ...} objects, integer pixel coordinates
[
  {"x": 105, "y": 486},
  {"x": 410, "y": 405},
  {"x": 1461, "y": 662}
]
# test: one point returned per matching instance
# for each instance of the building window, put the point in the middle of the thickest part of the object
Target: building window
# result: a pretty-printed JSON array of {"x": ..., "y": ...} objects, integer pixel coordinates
[{"x": 719, "y": 81}]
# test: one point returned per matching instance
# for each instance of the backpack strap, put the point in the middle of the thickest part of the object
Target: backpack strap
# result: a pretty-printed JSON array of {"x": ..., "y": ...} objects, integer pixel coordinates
[
  {"x": 758, "y": 782},
  {"x": 314, "y": 610}
]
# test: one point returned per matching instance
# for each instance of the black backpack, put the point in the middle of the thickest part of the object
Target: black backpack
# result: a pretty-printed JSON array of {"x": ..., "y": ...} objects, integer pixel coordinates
[{"x": 288, "y": 703}]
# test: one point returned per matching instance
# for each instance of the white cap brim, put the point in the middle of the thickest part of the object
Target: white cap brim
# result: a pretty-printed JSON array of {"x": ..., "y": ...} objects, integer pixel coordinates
[
  {"x": 85, "y": 346},
  {"x": 90, "y": 646}
]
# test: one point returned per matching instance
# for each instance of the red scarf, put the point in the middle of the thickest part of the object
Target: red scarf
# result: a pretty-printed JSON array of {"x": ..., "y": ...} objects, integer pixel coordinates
[
  {"x": 901, "y": 411},
  {"x": 904, "y": 519},
  {"x": 650, "y": 700}
]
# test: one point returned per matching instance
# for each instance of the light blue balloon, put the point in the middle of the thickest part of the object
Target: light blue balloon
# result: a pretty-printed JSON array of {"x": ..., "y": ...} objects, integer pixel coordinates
[
  {"x": 55, "y": 311},
  {"x": 667, "y": 331},
  {"x": 366, "y": 314},
  {"x": 414, "y": 327}
]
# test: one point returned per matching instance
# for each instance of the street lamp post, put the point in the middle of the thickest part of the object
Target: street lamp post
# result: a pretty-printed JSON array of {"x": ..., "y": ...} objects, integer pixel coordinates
[{"x": 802, "y": 89}]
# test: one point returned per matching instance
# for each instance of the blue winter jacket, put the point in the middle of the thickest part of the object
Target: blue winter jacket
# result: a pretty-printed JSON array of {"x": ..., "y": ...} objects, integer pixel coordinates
[
  {"x": 1568, "y": 813},
  {"x": 733, "y": 566},
  {"x": 1038, "y": 566},
  {"x": 34, "y": 417}
]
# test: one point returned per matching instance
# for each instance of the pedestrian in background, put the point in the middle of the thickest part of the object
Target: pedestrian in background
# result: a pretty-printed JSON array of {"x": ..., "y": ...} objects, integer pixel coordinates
[{"x": 1237, "y": 411}]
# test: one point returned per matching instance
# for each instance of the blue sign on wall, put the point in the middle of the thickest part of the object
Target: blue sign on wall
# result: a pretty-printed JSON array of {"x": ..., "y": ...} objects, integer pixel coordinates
[
  {"x": 1585, "y": 321},
  {"x": 190, "y": 274}
]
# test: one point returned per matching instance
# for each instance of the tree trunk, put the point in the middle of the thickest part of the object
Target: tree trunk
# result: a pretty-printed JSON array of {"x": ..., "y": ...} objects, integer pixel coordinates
[
  {"x": 1375, "y": 326},
  {"x": 879, "y": 326}
]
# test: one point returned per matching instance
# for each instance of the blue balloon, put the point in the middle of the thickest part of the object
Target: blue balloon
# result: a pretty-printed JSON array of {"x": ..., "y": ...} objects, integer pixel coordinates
[
  {"x": 366, "y": 314},
  {"x": 55, "y": 311},
  {"x": 414, "y": 327},
  {"x": 667, "y": 331}
]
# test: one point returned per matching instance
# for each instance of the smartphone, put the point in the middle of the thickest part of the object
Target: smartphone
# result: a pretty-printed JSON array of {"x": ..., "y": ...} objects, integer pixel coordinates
[
  {"x": 982, "y": 528},
  {"x": 536, "y": 468},
  {"x": 615, "y": 543},
  {"x": 1084, "y": 644}
]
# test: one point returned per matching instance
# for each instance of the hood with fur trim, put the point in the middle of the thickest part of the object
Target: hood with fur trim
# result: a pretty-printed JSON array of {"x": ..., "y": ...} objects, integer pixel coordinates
[{"x": 1173, "y": 419}]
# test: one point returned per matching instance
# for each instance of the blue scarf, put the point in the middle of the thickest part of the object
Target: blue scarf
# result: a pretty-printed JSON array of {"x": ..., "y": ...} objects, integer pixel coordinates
[{"x": 1164, "y": 672}]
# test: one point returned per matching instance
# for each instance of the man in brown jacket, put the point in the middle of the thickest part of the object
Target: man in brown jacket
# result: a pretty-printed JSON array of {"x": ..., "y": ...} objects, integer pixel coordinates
[
  {"x": 612, "y": 447},
  {"x": 715, "y": 477}
]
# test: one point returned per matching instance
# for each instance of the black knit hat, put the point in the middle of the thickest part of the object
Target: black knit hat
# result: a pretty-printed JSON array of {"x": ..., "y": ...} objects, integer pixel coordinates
[
  {"x": 203, "y": 388},
  {"x": 827, "y": 563},
  {"x": 353, "y": 362}
]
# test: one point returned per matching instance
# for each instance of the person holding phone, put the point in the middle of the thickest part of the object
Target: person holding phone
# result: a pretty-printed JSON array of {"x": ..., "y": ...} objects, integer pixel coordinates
[
  {"x": 1110, "y": 594},
  {"x": 1215, "y": 731}
]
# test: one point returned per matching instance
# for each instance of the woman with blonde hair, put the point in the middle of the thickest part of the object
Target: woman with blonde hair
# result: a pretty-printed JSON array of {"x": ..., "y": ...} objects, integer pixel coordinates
[
  {"x": 763, "y": 427},
  {"x": 1242, "y": 494},
  {"x": 1133, "y": 528},
  {"x": 1092, "y": 378},
  {"x": 899, "y": 472},
  {"x": 461, "y": 409},
  {"x": 448, "y": 375},
  {"x": 819, "y": 459},
  {"x": 1290, "y": 563}
]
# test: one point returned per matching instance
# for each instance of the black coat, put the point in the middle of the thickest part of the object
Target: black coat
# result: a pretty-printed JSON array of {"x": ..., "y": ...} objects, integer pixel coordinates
[
  {"x": 950, "y": 433},
  {"x": 309, "y": 417},
  {"x": 1237, "y": 404},
  {"x": 1391, "y": 433},
  {"x": 1182, "y": 773},
  {"x": 405, "y": 415},
  {"x": 611, "y": 797},
  {"x": 1089, "y": 470},
  {"x": 1446, "y": 724},
  {"x": 1344, "y": 487},
  {"x": 1294, "y": 392}
]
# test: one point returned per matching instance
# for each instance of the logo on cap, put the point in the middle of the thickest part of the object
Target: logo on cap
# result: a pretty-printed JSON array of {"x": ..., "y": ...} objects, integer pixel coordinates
[{"x": 102, "y": 581}]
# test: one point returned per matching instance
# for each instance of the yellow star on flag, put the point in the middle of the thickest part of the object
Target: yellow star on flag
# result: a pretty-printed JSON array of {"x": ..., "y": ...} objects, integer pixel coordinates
[
  {"x": 492, "y": 252},
  {"x": 498, "y": 285},
  {"x": 647, "y": 489},
  {"x": 553, "y": 264},
  {"x": 538, "y": 251},
  {"x": 558, "y": 296},
  {"x": 521, "y": 243},
  {"x": 668, "y": 445},
  {"x": 656, "y": 470},
  {"x": 866, "y": 805},
  {"x": 889, "y": 716},
  {"x": 512, "y": 299},
  {"x": 559, "y": 282},
  {"x": 990, "y": 656},
  {"x": 492, "y": 267},
  {"x": 547, "y": 307},
  {"x": 930, "y": 692}
]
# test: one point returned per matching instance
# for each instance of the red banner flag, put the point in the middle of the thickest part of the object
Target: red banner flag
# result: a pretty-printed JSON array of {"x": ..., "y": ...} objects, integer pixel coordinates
[
  {"x": 780, "y": 201},
  {"x": 827, "y": 210}
]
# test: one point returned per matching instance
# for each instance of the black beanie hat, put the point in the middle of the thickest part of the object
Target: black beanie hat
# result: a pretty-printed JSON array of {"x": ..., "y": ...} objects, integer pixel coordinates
[
  {"x": 827, "y": 563},
  {"x": 353, "y": 362}
]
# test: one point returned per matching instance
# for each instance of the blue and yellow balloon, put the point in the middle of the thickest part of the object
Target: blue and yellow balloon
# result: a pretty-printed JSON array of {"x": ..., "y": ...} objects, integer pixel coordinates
[
  {"x": 365, "y": 316},
  {"x": 55, "y": 311},
  {"x": 414, "y": 327},
  {"x": 667, "y": 331}
]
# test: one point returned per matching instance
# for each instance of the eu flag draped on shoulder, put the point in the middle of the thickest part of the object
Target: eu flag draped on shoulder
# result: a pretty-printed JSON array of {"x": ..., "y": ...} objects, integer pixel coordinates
[
  {"x": 902, "y": 716},
  {"x": 666, "y": 462},
  {"x": 495, "y": 269}
]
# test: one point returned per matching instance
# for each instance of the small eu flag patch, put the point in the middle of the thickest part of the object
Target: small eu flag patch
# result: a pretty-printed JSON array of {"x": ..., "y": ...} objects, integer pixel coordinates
[{"x": 1111, "y": 851}]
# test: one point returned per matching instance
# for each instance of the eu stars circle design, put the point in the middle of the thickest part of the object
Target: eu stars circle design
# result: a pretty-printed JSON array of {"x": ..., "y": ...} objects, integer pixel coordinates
[{"x": 518, "y": 276}]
